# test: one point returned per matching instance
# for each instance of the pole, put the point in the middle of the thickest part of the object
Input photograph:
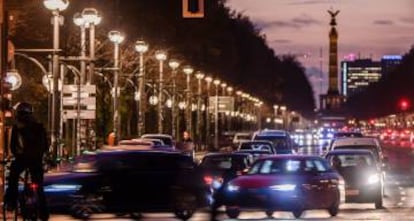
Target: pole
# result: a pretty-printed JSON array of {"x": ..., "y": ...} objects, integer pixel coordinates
[
  {"x": 216, "y": 121},
  {"x": 160, "y": 98},
  {"x": 174, "y": 105},
  {"x": 188, "y": 117},
  {"x": 116, "y": 73},
  {"x": 91, "y": 52},
  {"x": 55, "y": 74},
  {"x": 142, "y": 96},
  {"x": 208, "y": 114},
  {"x": 80, "y": 81},
  {"x": 199, "y": 120}
]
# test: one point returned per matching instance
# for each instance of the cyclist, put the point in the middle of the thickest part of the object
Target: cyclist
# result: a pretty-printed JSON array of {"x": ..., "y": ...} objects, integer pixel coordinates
[{"x": 28, "y": 144}]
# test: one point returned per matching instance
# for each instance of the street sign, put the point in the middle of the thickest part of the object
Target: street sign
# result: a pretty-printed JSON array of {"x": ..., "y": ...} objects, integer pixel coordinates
[
  {"x": 83, "y": 101},
  {"x": 73, "y": 88},
  {"x": 225, "y": 104},
  {"x": 73, "y": 114}
]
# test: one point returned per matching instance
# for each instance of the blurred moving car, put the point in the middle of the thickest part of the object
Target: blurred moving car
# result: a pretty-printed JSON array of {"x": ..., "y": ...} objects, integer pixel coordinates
[
  {"x": 218, "y": 168},
  {"x": 127, "y": 182},
  {"x": 362, "y": 174},
  {"x": 281, "y": 140},
  {"x": 287, "y": 183},
  {"x": 168, "y": 140},
  {"x": 258, "y": 145}
]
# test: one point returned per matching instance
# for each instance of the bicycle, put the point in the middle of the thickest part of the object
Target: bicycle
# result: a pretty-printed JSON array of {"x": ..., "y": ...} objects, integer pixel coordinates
[{"x": 27, "y": 201}]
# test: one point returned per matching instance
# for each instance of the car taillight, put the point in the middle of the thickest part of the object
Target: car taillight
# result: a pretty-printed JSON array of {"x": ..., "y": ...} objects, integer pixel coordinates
[
  {"x": 208, "y": 180},
  {"x": 34, "y": 186}
]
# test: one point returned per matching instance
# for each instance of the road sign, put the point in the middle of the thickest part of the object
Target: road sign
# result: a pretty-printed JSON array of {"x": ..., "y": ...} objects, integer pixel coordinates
[
  {"x": 73, "y": 88},
  {"x": 84, "y": 114},
  {"x": 83, "y": 101},
  {"x": 225, "y": 104}
]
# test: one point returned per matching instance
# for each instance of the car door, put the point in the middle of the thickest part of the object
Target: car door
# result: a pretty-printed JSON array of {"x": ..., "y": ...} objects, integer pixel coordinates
[{"x": 315, "y": 185}]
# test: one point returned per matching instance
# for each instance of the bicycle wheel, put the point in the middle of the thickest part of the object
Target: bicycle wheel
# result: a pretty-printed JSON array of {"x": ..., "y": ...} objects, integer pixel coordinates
[
  {"x": 29, "y": 207},
  {"x": 10, "y": 215}
]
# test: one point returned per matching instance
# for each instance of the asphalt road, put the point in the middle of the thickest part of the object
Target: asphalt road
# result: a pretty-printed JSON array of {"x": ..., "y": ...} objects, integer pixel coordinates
[{"x": 399, "y": 201}]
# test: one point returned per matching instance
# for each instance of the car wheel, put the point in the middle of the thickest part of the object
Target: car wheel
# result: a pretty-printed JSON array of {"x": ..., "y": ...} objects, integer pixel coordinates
[
  {"x": 333, "y": 211},
  {"x": 184, "y": 214},
  {"x": 269, "y": 213},
  {"x": 84, "y": 206},
  {"x": 232, "y": 213},
  {"x": 297, "y": 213}
]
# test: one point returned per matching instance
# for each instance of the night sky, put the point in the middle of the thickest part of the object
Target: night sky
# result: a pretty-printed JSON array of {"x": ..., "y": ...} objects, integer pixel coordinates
[{"x": 367, "y": 28}]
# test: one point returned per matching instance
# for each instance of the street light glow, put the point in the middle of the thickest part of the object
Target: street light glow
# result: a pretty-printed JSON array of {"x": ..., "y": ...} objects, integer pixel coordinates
[
  {"x": 78, "y": 19},
  {"x": 209, "y": 79},
  {"x": 223, "y": 85},
  {"x": 216, "y": 82},
  {"x": 188, "y": 70},
  {"x": 53, "y": 5},
  {"x": 238, "y": 93},
  {"x": 199, "y": 75},
  {"x": 160, "y": 55},
  {"x": 91, "y": 16},
  {"x": 116, "y": 37},
  {"x": 141, "y": 46},
  {"x": 174, "y": 64},
  {"x": 14, "y": 79},
  {"x": 229, "y": 89}
]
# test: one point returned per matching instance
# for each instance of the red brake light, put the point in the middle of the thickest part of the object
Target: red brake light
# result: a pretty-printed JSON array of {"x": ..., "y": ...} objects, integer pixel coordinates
[
  {"x": 208, "y": 180},
  {"x": 34, "y": 186}
]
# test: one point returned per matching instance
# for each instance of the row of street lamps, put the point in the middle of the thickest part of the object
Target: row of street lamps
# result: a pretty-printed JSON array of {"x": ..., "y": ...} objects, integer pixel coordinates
[{"x": 87, "y": 20}]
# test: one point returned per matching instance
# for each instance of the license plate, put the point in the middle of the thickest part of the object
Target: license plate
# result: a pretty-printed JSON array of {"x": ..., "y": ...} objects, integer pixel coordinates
[{"x": 351, "y": 192}]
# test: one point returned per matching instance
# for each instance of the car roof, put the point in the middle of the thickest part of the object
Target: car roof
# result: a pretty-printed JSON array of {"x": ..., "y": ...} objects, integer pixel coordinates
[
  {"x": 291, "y": 156},
  {"x": 226, "y": 154},
  {"x": 156, "y": 135},
  {"x": 257, "y": 142},
  {"x": 347, "y": 141},
  {"x": 267, "y": 132}
]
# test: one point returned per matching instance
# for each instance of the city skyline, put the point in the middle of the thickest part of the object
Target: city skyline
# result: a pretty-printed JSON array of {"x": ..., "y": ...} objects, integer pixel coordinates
[{"x": 301, "y": 27}]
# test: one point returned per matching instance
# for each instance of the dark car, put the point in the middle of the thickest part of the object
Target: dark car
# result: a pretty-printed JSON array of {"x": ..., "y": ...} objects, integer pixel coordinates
[
  {"x": 364, "y": 181},
  {"x": 257, "y": 145},
  {"x": 219, "y": 168},
  {"x": 281, "y": 140},
  {"x": 287, "y": 183},
  {"x": 127, "y": 182}
]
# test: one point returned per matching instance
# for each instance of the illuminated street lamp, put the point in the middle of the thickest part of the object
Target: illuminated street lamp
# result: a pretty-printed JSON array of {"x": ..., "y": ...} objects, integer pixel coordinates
[
  {"x": 14, "y": 79},
  {"x": 188, "y": 118},
  {"x": 141, "y": 47},
  {"x": 199, "y": 75},
  {"x": 174, "y": 64},
  {"x": 116, "y": 38},
  {"x": 92, "y": 18},
  {"x": 56, "y": 6},
  {"x": 216, "y": 116},
  {"x": 161, "y": 56}
]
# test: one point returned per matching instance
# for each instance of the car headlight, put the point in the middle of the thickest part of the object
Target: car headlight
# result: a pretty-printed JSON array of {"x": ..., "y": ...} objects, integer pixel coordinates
[
  {"x": 283, "y": 187},
  {"x": 232, "y": 188},
  {"x": 373, "y": 179},
  {"x": 62, "y": 188}
]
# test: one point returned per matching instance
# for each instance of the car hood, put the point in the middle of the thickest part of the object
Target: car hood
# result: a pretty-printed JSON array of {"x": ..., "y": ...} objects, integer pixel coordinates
[{"x": 259, "y": 181}]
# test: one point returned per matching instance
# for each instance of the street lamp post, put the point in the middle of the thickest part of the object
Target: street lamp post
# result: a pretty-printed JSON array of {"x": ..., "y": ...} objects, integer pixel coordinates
[
  {"x": 199, "y": 77},
  {"x": 92, "y": 19},
  {"x": 161, "y": 56},
  {"x": 141, "y": 47},
  {"x": 56, "y": 6},
  {"x": 174, "y": 64},
  {"x": 216, "y": 116},
  {"x": 188, "y": 118},
  {"x": 223, "y": 86},
  {"x": 229, "y": 93},
  {"x": 208, "y": 80},
  {"x": 117, "y": 38}
]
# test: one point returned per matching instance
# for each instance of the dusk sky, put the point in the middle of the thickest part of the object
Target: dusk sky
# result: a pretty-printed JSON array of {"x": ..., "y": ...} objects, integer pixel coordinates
[{"x": 369, "y": 28}]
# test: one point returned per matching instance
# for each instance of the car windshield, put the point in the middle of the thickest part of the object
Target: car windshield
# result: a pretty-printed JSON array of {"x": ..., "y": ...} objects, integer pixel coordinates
[
  {"x": 166, "y": 140},
  {"x": 371, "y": 148},
  {"x": 224, "y": 162},
  {"x": 280, "y": 142},
  {"x": 255, "y": 146},
  {"x": 289, "y": 166}
]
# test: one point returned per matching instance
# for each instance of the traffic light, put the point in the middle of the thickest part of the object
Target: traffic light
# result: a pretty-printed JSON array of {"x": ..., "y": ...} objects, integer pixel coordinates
[
  {"x": 193, "y": 8},
  {"x": 404, "y": 104}
]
